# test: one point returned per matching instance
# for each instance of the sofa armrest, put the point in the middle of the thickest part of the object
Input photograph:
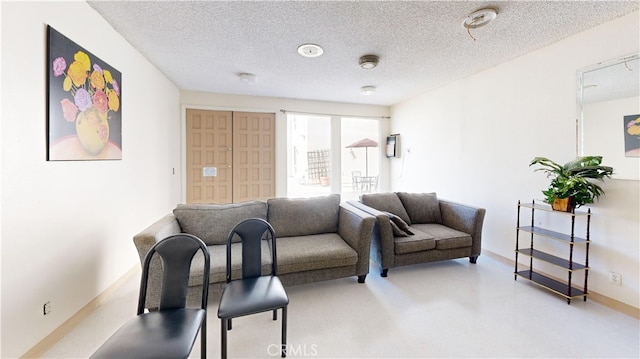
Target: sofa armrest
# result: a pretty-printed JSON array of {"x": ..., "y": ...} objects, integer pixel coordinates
[
  {"x": 356, "y": 228},
  {"x": 163, "y": 228},
  {"x": 159, "y": 230},
  {"x": 464, "y": 218},
  {"x": 382, "y": 239}
]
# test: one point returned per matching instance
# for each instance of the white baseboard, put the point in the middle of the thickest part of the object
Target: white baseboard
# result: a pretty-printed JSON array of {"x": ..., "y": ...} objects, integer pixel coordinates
[
  {"x": 595, "y": 296},
  {"x": 65, "y": 328},
  {"x": 49, "y": 341}
]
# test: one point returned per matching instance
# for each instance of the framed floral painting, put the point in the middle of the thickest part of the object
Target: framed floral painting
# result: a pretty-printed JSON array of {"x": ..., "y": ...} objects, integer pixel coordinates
[
  {"x": 84, "y": 103},
  {"x": 632, "y": 136}
]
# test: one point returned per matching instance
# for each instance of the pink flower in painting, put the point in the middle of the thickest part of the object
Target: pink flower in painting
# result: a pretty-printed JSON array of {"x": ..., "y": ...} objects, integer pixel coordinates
[
  {"x": 69, "y": 110},
  {"x": 100, "y": 101},
  {"x": 97, "y": 67},
  {"x": 59, "y": 65},
  {"x": 103, "y": 132},
  {"x": 82, "y": 99}
]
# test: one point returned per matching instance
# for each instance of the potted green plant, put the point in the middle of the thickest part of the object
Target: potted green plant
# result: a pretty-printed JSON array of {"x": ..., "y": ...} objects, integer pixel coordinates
[{"x": 570, "y": 187}]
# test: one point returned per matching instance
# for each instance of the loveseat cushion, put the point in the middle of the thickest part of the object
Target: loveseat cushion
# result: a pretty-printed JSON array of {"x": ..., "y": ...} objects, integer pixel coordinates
[
  {"x": 213, "y": 222},
  {"x": 419, "y": 241},
  {"x": 386, "y": 202},
  {"x": 319, "y": 251},
  {"x": 303, "y": 216},
  {"x": 445, "y": 237},
  {"x": 421, "y": 207}
]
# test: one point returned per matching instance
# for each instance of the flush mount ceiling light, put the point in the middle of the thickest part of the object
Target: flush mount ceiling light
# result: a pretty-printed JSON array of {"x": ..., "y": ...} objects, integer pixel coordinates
[
  {"x": 247, "y": 78},
  {"x": 368, "y": 90},
  {"x": 310, "y": 50},
  {"x": 479, "y": 18},
  {"x": 368, "y": 61}
]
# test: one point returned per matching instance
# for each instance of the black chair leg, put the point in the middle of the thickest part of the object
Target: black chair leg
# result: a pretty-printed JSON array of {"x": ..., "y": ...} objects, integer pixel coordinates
[
  {"x": 223, "y": 336},
  {"x": 284, "y": 332},
  {"x": 229, "y": 324},
  {"x": 203, "y": 338},
  {"x": 275, "y": 314}
]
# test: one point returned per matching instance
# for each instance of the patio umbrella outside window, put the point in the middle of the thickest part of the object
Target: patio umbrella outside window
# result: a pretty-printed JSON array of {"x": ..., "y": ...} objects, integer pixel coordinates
[{"x": 366, "y": 143}]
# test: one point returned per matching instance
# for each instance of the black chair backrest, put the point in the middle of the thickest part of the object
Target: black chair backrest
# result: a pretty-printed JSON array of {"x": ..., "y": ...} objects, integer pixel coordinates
[
  {"x": 251, "y": 232},
  {"x": 177, "y": 253}
]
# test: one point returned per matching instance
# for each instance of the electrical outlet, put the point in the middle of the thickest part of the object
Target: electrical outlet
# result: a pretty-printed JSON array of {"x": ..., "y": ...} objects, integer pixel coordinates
[
  {"x": 615, "y": 278},
  {"x": 46, "y": 308}
]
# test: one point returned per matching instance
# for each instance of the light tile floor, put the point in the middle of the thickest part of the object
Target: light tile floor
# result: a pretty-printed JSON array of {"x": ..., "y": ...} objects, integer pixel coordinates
[{"x": 437, "y": 310}]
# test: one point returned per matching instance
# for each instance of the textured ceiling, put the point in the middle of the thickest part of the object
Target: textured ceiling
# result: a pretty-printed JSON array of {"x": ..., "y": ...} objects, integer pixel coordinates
[{"x": 422, "y": 45}]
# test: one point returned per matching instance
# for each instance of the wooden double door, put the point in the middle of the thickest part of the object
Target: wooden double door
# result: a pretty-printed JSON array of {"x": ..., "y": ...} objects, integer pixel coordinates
[{"x": 230, "y": 156}]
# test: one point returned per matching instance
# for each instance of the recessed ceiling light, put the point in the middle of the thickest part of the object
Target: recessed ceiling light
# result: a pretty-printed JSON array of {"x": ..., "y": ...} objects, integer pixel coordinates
[
  {"x": 247, "y": 78},
  {"x": 310, "y": 50},
  {"x": 368, "y": 61},
  {"x": 368, "y": 90},
  {"x": 479, "y": 18}
]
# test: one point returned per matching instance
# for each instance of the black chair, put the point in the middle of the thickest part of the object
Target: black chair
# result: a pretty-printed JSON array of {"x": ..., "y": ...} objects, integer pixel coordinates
[
  {"x": 253, "y": 292},
  {"x": 171, "y": 331}
]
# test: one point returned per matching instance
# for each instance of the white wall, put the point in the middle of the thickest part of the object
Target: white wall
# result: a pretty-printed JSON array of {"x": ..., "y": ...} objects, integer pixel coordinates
[
  {"x": 191, "y": 99},
  {"x": 67, "y": 227},
  {"x": 472, "y": 141}
]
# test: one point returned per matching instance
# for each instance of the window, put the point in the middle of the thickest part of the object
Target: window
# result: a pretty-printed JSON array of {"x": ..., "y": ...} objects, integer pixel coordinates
[
  {"x": 311, "y": 155},
  {"x": 360, "y": 156},
  {"x": 308, "y": 155}
]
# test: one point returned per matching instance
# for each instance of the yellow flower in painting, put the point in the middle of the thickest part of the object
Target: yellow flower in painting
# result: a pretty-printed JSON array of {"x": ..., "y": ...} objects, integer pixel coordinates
[
  {"x": 77, "y": 73},
  {"x": 107, "y": 76},
  {"x": 633, "y": 127},
  {"x": 114, "y": 101},
  {"x": 97, "y": 80},
  {"x": 83, "y": 58},
  {"x": 66, "y": 85}
]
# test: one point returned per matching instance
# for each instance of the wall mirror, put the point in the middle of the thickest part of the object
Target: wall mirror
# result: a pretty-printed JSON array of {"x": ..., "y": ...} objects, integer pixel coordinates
[{"x": 608, "y": 100}]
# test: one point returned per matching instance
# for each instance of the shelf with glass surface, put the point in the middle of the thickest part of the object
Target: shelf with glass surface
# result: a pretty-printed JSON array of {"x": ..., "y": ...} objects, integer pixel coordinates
[{"x": 560, "y": 287}]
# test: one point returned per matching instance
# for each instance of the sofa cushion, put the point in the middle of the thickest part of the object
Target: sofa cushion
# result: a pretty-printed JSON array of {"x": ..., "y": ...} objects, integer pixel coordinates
[
  {"x": 445, "y": 237},
  {"x": 213, "y": 222},
  {"x": 319, "y": 251},
  {"x": 303, "y": 216},
  {"x": 218, "y": 269},
  {"x": 421, "y": 207},
  {"x": 386, "y": 202},
  {"x": 420, "y": 241}
]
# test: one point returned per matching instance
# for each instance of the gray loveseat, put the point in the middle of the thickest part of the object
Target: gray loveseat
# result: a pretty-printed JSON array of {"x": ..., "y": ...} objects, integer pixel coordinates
[
  {"x": 418, "y": 227},
  {"x": 318, "y": 239}
]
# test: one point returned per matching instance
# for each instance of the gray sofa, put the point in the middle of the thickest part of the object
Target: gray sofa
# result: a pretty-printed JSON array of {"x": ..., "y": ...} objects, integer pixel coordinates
[
  {"x": 415, "y": 228},
  {"x": 318, "y": 239}
]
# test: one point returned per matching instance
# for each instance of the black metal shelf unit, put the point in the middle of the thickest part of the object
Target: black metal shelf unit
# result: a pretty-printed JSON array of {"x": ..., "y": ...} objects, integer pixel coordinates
[{"x": 562, "y": 288}]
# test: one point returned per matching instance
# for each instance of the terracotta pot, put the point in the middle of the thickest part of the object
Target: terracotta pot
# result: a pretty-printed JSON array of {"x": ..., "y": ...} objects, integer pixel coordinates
[{"x": 562, "y": 204}]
